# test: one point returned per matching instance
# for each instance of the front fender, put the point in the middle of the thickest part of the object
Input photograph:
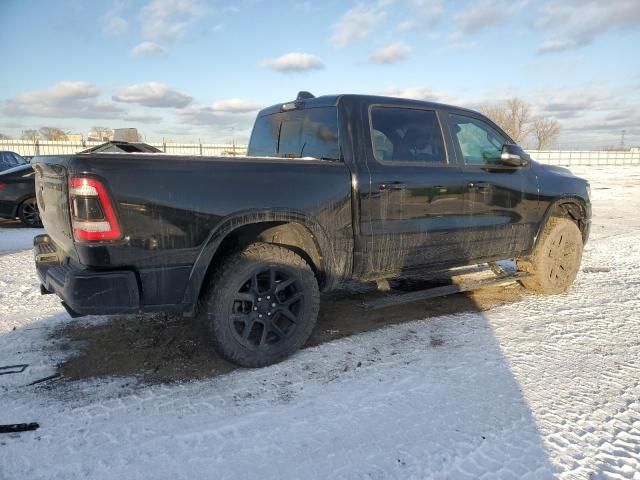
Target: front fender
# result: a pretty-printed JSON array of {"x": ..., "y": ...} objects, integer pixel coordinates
[{"x": 568, "y": 204}]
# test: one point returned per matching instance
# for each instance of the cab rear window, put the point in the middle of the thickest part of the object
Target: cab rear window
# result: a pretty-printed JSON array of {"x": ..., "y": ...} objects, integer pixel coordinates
[{"x": 309, "y": 133}]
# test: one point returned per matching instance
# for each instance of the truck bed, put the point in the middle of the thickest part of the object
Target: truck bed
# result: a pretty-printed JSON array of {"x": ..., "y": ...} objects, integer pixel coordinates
[{"x": 171, "y": 207}]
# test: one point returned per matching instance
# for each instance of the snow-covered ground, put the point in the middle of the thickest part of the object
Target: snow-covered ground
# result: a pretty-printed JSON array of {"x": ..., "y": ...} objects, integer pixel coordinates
[
  {"x": 541, "y": 387},
  {"x": 14, "y": 238}
]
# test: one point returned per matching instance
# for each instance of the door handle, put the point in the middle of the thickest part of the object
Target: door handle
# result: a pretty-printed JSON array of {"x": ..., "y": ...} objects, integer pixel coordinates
[
  {"x": 480, "y": 186},
  {"x": 391, "y": 186}
]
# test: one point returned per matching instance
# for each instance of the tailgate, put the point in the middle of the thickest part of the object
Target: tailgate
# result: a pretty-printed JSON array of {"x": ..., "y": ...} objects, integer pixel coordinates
[{"x": 53, "y": 201}]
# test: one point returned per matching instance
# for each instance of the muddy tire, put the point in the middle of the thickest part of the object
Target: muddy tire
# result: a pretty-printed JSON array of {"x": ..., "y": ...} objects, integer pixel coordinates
[
  {"x": 29, "y": 214},
  {"x": 262, "y": 305},
  {"x": 556, "y": 258}
]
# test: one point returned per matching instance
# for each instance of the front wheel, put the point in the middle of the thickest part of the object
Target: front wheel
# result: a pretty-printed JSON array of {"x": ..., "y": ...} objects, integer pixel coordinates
[
  {"x": 262, "y": 305},
  {"x": 29, "y": 214},
  {"x": 556, "y": 258}
]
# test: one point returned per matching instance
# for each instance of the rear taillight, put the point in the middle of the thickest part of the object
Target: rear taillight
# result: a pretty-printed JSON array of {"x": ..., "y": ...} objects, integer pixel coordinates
[
  {"x": 93, "y": 217},
  {"x": 2, "y": 185}
]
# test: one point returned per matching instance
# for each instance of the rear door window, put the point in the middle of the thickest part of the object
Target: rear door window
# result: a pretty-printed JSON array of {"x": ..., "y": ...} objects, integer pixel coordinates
[{"x": 407, "y": 135}]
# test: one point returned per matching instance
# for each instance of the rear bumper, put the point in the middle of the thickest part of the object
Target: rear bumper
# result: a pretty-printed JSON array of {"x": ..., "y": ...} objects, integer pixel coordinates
[{"x": 85, "y": 292}]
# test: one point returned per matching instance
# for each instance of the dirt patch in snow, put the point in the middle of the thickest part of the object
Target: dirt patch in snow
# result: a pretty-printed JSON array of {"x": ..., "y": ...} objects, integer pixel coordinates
[{"x": 164, "y": 348}]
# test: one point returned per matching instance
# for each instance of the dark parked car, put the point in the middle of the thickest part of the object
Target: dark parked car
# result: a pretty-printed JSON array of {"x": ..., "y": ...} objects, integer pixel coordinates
[
  {"x": 336, "y": 188},
  {"x": 18, "y": 196},
  {"x": 11, "y": 159}
]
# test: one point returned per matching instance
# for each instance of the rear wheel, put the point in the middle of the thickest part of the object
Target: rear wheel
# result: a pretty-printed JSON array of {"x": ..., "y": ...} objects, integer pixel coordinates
[
  {"x": 262, "y": 305},
  {"x": 29, "y": 214},
  {"x": 556, "y": 258}
]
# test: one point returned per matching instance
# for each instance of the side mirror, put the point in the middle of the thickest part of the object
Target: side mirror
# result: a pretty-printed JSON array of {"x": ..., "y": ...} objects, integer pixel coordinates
[{"x": 514, "y": 156}]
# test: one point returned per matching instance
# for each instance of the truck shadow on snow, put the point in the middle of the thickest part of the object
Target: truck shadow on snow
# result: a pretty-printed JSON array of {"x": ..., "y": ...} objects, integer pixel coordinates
[
  {"x": 425, "y": 391},
  {"x": 164, "y": 348}
]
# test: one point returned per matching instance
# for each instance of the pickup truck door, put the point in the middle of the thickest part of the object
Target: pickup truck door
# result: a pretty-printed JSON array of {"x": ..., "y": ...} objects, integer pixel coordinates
[
  {"x": 503, "y": 199},
  {"x": 413, "y": 212}
]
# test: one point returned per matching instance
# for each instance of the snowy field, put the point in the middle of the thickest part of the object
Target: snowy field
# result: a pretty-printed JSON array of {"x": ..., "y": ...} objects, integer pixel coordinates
[{"x": 536, "y": 388}]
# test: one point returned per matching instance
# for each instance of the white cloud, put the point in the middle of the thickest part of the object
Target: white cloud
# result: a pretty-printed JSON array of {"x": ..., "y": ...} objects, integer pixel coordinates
[
  {"x": 575, "y": 23},
  {"x": 580, "y": 102},
  {"x": 549, "y": 46},
  {"x": 113, "y": 23},
  {"x": 484, "y": 14},
  {"x": 61, "y": 92},
  {"x": 424, "y": 93},
  {"x": 141, "y": 118},
  {"x": 234, "y": 113},
  {"x": 65, "y": 99},
  {"x": 153, "y": 94},
  {"x": 394, "y": 53},
  {"x": 294, "y": 62},
  {"x": 168, "y": 20},
  {"x": 148, "y": 49},
  {"x": 591, "y": 115},
  {"x": 236, "y": 105},
  {"x": 357, "y": 23},
  {"x": 199, "y": 115},
  {"x": 424, "y": 14}
]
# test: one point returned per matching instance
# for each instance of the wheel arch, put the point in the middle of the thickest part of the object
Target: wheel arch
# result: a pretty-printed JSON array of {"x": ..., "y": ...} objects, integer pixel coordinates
[
  {"x": 573, "y": 208},
  {"x": 293, "y": 229}
]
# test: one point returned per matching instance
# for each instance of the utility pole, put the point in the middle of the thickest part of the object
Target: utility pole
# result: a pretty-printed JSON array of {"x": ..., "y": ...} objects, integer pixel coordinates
[{"x": 622, "y": 140}]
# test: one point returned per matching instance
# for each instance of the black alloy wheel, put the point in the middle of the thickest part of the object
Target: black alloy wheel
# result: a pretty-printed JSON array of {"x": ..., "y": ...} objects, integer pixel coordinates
[
  {"x": 267, "y": 308},
  {"x": 261, "y": 305}
]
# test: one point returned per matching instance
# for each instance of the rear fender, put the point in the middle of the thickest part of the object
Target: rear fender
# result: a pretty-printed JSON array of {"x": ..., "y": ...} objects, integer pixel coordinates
[{"x": 245, "y": 218}]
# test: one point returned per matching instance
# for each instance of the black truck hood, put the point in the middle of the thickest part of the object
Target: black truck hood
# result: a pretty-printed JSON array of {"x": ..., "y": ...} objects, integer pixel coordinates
[{"x": 554, "y": 169}]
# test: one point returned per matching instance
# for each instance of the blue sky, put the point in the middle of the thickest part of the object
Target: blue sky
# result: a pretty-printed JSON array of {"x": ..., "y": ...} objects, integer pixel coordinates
[{"x": 192, "y": 70}]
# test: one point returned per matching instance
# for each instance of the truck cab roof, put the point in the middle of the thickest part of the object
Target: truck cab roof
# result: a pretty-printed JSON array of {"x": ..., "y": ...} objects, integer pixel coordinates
[{"x": 352, "y": 99}]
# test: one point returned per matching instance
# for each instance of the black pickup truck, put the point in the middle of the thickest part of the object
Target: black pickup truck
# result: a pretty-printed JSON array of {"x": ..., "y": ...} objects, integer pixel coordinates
[{"x": 333, "y": 188}]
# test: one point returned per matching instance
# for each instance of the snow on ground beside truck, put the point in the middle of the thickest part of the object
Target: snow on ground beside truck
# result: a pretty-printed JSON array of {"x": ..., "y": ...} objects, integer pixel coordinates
[
  {"x": 540, "y": 386},
  {"x": 14, "y": 238}
]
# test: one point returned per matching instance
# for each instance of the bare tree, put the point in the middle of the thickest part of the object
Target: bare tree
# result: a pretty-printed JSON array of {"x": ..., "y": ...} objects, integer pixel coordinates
[
  {"x": 545, "y": 130},
  {"x": 4, "y": 137},
  {"x": 52, "y": 133},
  {"x": 513, "y": 116},
  {"x": 31, "y": 135},
  {"x": 103, "y": 133}
]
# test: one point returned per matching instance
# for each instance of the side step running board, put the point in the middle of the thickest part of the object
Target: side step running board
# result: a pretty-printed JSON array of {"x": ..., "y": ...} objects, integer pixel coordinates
[{"x": 401, "y": 298}]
